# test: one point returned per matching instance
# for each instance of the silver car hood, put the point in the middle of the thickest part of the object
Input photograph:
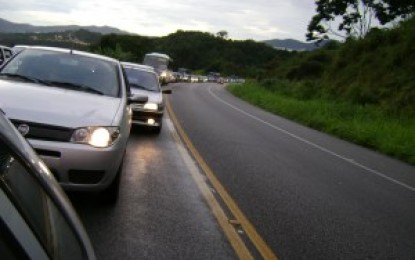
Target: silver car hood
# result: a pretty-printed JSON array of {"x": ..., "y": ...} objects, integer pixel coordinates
[
  {"x": 56, "y": 106},
  {"x": 153, "y": 97}
]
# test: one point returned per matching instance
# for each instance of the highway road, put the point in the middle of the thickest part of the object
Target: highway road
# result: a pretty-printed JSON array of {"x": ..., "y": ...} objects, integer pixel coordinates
[
  {"x": 309, "y": 195},
  {"x": 160, "y": 213},
  {"x": 248, "y": 176}
]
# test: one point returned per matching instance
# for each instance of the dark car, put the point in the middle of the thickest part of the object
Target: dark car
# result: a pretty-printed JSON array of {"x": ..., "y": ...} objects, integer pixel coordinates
[
  {"x": 143, "y": 81},
  {"x": 37, "y": 221}
]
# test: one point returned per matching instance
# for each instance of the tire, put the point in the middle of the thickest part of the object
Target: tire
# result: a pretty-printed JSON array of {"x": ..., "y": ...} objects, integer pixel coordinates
[
  {"x": 110, "y": 194},
  {"x": 157, "y": 129}
]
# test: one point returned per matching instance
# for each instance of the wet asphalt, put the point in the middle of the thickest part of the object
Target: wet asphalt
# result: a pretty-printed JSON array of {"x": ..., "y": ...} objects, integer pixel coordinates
[
  {"x": 309, "y": 195},
  {"x": 160, "y": 213}
]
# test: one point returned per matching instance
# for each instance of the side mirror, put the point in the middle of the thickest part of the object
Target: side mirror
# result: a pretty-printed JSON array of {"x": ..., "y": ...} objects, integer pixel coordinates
[
  {"x": 166, "y": 91},
  {"x": 140, "y": 99}
]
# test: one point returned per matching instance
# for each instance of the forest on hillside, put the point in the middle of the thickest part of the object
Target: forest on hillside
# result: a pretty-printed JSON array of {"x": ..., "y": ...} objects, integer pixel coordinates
[
  {"x": 197, "y": 51},
  {"x": 376, "y": 70},
  {"x": 79, "y": 39}
]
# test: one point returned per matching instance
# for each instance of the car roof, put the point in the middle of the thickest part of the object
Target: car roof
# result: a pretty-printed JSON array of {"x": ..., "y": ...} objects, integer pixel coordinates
[
  {"x": 138, "y": 66},
  {"x": 65, "y": 50},
  {"x": 21, "y": 46},
  {"x": 161, "y": 55}
]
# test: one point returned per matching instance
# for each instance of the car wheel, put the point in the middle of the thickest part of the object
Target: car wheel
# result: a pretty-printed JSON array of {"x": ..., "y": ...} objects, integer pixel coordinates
[
  {"x": 110, "y": 194},
  {"x": 157, "y": 129}
]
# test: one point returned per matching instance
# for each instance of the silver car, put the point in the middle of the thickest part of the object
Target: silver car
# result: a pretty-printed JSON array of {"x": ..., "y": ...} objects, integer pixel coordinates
[
  {"x": 37, "y": 221},
  {"x": 73, "y": 107},
  {"x": 143, "y": 80}
]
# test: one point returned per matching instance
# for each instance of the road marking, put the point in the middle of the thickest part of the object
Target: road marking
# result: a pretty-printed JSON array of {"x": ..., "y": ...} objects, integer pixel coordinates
[
  {"x": 351, "y": 161},
  {"x": 231, "y": 234},
  {"x": 228, "y": 226}
]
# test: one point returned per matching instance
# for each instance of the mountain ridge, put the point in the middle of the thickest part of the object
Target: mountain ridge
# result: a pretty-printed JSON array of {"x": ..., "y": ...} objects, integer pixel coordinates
[
  {"x": 11, "y": 27},
  {"x": 293, "y": 45}
]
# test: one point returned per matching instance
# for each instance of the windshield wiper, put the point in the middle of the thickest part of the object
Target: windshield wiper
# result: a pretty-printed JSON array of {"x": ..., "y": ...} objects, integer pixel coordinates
[
  {"x": 133, "y": 85},
  {"x": 26, "y": 78},
  {"x": 75, "y": 86}
]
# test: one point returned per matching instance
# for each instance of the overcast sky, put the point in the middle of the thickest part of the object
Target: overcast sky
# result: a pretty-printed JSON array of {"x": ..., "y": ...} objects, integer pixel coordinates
[{"x": 242, "y": 19}]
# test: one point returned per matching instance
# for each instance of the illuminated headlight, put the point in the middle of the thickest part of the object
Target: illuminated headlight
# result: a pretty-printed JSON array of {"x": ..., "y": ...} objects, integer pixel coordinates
[
  {"x": 96, "y": 136},
  {"x": 151, "y": 106},
  {"x": 163, "y": 74}
]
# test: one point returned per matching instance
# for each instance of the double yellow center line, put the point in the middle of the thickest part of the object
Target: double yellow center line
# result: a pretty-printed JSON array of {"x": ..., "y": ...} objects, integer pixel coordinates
[{"x": 227, "y": 225}]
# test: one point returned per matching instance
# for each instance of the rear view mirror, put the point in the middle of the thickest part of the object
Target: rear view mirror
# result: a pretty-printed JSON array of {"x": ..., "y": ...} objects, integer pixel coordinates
[{"x": 137, "y": 99}]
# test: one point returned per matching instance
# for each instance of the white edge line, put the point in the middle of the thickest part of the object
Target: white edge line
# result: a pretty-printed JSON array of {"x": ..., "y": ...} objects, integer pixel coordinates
[{"x": 314, "y": 145}]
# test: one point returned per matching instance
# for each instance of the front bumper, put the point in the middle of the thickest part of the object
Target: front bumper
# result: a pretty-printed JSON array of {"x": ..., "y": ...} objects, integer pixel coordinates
[
  {"x": 81, "y": 167},
  {"x": 142, "y": 117}
]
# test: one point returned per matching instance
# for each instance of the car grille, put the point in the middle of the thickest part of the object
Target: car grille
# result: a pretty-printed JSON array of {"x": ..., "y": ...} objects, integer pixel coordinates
[
  {"x": 137, "y": 106},
  {"x": 45, "y": 132}
]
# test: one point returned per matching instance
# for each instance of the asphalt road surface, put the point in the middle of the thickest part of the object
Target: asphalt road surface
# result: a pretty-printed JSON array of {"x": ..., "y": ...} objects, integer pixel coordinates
[
  {"x": 309, "y": 195},
  {"x": 160, "y": 213}
]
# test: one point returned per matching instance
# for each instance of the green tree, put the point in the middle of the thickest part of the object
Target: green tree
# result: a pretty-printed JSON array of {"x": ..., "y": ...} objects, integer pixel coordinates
[
  {"x": 389, "y": 10},
  {"x": 354, "y": 18},
  {"x": 222, "y": 34}
]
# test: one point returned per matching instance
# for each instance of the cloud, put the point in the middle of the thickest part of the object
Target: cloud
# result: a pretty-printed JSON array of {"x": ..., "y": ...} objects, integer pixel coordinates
[
  {"x": 63, "y": 6},
  {"x": 243, "y": 19}
]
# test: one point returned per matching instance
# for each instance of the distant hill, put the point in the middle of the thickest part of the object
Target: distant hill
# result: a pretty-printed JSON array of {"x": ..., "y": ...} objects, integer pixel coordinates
[
  {"x": 293, "y": 45},
  {"x": 10, "y": 27},
  {"x": 79, "y": 39}
]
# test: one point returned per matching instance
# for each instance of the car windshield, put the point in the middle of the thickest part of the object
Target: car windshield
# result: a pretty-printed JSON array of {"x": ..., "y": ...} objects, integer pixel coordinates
[
  {"x": 64, "y": 70},
  {"x": 140, "y": 79}
]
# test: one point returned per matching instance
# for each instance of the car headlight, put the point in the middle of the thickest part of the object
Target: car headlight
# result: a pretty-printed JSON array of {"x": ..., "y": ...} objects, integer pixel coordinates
[
  {"x": 163, "y": 74},
  {"x": 151, "y": 106},
  {"x": 96, "y": 136}
]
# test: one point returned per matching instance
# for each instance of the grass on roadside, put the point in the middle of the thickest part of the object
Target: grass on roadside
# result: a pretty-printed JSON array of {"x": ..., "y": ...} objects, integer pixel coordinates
[{"x": 363, "y": 125}]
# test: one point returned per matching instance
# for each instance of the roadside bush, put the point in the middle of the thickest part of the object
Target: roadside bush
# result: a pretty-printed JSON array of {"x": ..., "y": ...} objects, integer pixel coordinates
[
  {"x": 310, "y": 69},
  {"x": 363, "y": 124},
  {"x": 298, "y": 89}
]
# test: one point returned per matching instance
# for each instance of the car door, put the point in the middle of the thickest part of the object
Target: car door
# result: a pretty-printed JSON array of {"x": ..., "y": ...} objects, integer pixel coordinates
[{"x": 34, "y": 224}]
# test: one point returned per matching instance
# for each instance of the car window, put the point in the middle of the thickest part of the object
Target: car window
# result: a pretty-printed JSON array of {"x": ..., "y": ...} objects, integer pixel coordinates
[
  {"x": 140, "y": 79},
  {"x": 36, "y": 207},
  {"x": 17, "y": 241},
  {"x": 66, "y": 70}
]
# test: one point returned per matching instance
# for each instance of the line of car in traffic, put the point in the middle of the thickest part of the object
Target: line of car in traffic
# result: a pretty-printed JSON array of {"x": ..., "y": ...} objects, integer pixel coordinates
[
  {"x": 75, "y": 110},
  {"x": 192, "y": 78},
  {"x": 65, "y": 120}
]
